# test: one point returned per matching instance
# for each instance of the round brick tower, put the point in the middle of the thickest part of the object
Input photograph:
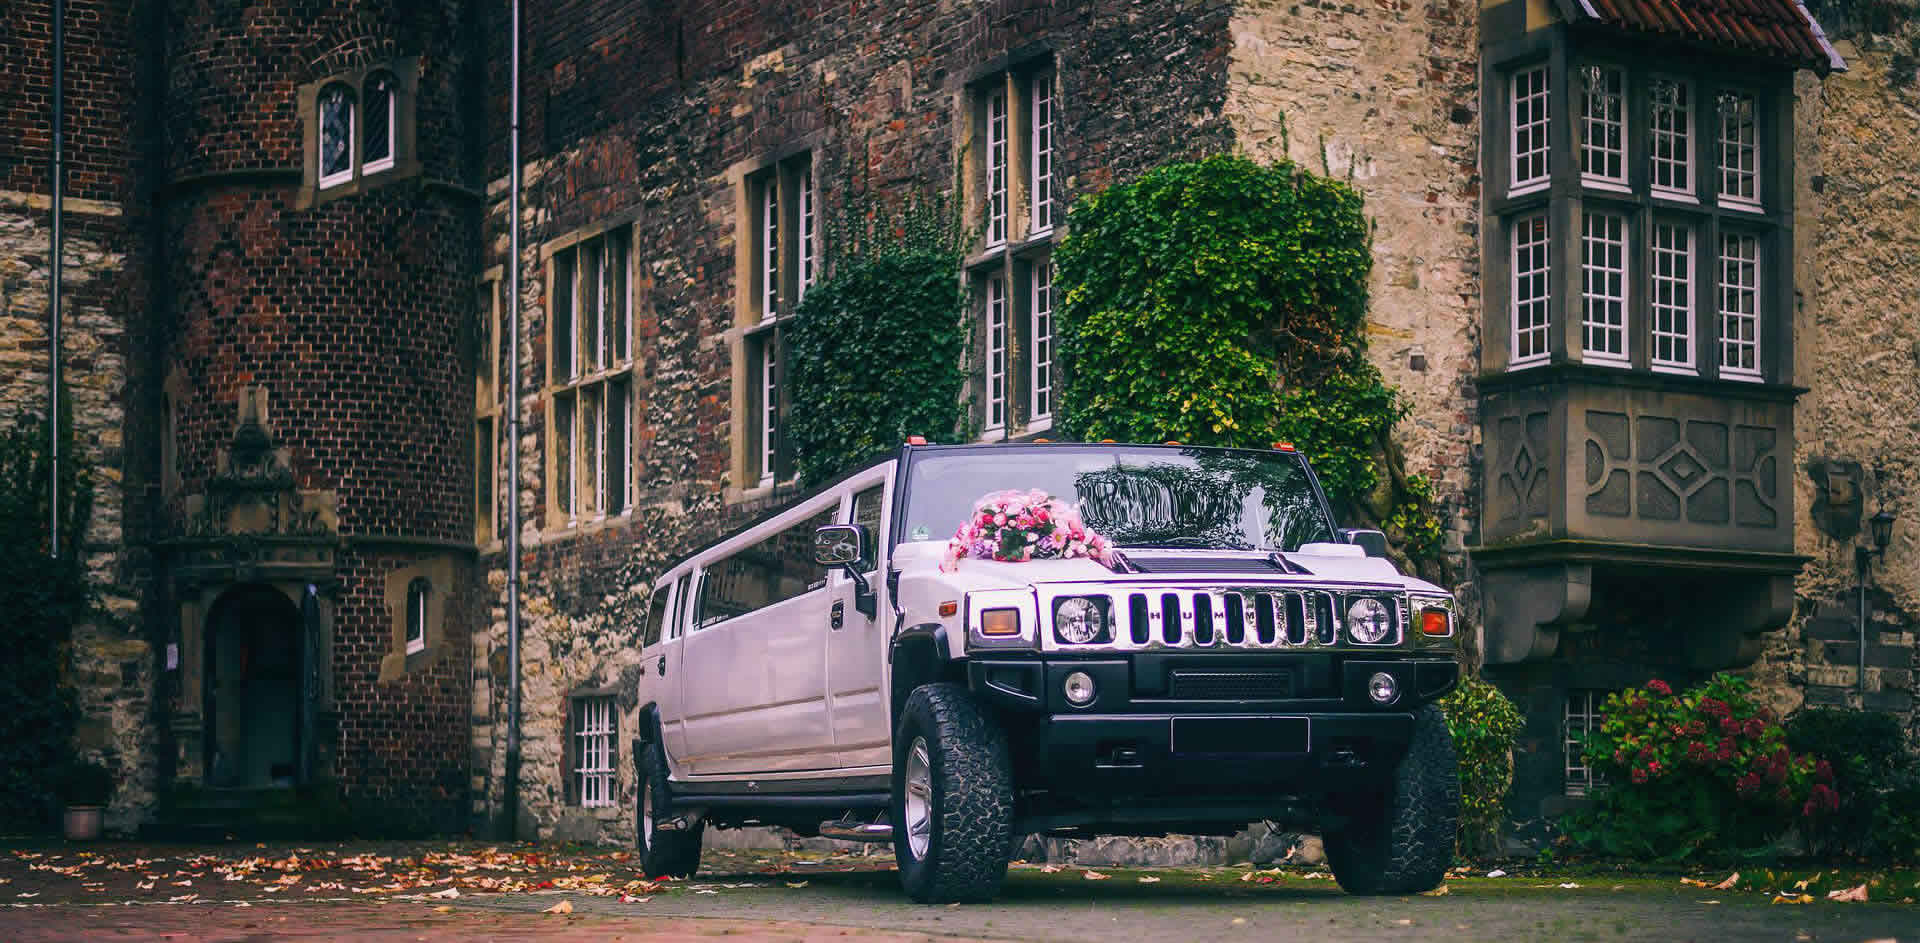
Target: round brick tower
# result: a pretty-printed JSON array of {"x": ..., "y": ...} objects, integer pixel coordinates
[{"x": 319, "y": 275}]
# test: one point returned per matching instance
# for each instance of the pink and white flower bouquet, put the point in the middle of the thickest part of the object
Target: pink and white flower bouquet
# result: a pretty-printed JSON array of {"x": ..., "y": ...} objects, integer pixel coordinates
[{"x": 1017, "y": 526}]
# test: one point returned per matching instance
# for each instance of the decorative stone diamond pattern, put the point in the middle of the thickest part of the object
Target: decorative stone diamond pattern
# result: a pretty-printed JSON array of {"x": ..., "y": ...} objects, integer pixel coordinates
[
  {"x": 1521, "y": 488},
  {"x": 1697, "y": 471}
]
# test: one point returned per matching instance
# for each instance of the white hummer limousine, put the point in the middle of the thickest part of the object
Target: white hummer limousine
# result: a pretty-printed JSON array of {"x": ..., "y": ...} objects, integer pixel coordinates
[{"x": 1223, "y": 656}]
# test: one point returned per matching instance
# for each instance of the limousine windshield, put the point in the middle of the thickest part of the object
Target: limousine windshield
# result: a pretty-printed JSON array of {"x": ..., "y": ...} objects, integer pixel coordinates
[{"x": 1138, "y": 496}]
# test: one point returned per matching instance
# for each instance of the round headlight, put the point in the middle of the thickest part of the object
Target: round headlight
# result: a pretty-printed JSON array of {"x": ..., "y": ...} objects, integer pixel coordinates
[
  {"x": 1079, "y": 620},
  {"x": 1368, "y": 621}
]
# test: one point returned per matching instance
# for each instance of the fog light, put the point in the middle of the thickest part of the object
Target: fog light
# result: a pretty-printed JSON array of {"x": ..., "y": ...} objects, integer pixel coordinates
[
  {"x": 1381, "y": 687},
  {"x": 1079, "y": 689}
]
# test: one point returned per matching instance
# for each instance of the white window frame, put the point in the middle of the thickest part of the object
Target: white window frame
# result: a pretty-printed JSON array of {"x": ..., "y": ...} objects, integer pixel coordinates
[
  {"x": 996, "y": 366},
  {"x": 1531, "y": 313},
  {"x": 330, "y": 180},
  {"x": 578, "y": 390},
  {"x": 1671, "y": 141},
  {"x": 393, "y": 124},
  {"x": 1604, "y": 262},
  {"x": 1731, "y": 167},
  {"x": 1740, "y": 258},
  {"x": 593, "y": 768},
  {"x": 770, "y": 246},
  {"x": 1580, "y": 712},
  {"x": 1041, "y": 340},
  {"x": 806, "y": 236},
  {"x": 1595, "y": 124},
  {"x": 996, "y": 164},
  {"x": 1670, "y": 296},
  {"x": 417, "y": 592},
  {"x": 1538, "y": 118},
  {"x": 1040, "y": 99},
  {"x": 769, "y": 405}
]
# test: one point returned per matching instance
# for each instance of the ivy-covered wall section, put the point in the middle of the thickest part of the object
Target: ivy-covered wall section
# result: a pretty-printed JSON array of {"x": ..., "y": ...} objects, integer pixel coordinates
[
  {"x": 1223, "y": 302},
  {"x": 874, "y": 351}
]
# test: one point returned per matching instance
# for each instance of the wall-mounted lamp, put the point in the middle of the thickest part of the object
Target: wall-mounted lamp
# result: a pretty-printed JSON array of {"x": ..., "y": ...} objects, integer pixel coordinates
[{"x": 1880, "y": 529}]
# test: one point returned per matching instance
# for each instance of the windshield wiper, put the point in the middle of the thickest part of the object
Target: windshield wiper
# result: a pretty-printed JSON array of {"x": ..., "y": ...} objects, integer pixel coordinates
[{"x": 1185, "y": 543}]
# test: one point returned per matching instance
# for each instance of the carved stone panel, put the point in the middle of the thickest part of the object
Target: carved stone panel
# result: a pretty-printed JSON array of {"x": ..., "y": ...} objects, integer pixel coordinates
[
  {"x": 1522, "y": 488},
  {"x": 1696, "y": 471}
]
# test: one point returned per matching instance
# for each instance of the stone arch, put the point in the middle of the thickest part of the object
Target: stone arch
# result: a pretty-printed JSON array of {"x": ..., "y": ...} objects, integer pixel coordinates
[{"x": 255, "y": 650}]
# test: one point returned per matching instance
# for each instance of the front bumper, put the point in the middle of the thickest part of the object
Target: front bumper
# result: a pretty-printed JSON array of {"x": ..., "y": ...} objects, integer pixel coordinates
[{"x": 1297, "y": 723}]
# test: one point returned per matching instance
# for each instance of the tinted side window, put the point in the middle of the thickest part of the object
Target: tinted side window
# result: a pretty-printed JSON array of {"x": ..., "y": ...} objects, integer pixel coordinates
[
  {"x": 866, "y": 513},
  {"x": 656, "y": 617},
  {"x": 680, "y": 606},
  {"x": 774, "y": 570}
]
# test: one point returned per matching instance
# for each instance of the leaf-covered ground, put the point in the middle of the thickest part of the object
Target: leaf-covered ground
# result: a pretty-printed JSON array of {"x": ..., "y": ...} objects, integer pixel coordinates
[{"x": 471, "y": 889}]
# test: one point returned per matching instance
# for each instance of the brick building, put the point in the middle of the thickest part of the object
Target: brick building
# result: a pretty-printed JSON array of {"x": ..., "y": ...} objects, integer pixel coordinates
[{"x": 1645, "y": 271}]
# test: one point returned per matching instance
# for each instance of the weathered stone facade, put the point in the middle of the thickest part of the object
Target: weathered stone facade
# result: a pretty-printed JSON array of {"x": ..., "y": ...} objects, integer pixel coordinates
[{"x": 279, "y": 381}]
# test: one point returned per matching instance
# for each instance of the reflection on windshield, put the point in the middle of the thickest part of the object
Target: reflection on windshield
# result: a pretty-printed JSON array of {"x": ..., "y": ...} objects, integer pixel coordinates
[{"x": 1138, "y": 497}]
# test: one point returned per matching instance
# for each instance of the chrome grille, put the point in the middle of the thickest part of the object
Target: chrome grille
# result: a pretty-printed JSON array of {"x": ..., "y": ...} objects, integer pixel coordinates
[{"x": 1238, "y": 618}]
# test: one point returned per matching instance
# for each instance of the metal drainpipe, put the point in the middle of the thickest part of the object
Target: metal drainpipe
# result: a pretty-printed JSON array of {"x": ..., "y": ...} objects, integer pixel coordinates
[
  {"x": 58, "y": 251},
  {"x": 512, "y": 798}
]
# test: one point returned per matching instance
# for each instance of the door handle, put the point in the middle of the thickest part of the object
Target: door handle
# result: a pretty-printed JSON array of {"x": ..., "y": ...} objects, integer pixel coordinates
[
  {"x": 661, "y": 666},
  {"x": 839, "y": 614}
]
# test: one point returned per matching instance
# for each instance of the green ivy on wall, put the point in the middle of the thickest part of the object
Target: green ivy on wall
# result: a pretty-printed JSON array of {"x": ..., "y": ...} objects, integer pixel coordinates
[
  {"x": 41, "y": 598},
  {"x": 1223, "y": 302},
  {"x": 874, "y": 351}
]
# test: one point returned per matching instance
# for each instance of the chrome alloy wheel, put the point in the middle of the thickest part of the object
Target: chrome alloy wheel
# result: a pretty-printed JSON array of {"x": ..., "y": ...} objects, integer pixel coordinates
[
  {"x": 646, "y": 813},
  {"x": 919, "y": 798}
]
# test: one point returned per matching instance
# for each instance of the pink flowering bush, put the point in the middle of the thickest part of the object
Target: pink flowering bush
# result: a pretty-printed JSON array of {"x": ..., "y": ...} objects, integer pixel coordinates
[
  {"x": 1017, "y": 526},
  {"x": 1702, "y": 771}
]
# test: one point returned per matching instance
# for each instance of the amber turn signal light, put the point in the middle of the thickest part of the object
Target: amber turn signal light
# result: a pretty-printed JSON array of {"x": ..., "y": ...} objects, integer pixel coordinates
[
  {"x": 1000, "y": 622},
  {"x": 1435, "y": 622},
  {"x": 948, "y": 608}
]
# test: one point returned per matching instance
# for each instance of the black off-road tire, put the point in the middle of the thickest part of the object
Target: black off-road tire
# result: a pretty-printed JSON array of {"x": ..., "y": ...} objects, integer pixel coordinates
[
  {"x": 971, "y": 800},
  {"x": 674, "y": 854},
  {"x": 1400, "y": 840}
]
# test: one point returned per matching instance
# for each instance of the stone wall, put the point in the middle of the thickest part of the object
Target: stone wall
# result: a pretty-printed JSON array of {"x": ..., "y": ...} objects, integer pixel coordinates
[
  {"x": 1857, "y": 333},
  {"x": 643, "y": 114},
  {"x": 1387, "y": 96},
  {"x": 114, "y": 664}
]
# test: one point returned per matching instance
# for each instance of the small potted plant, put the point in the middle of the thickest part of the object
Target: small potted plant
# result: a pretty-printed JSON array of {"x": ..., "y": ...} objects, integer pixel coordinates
[{"x": 85, "y": 789}]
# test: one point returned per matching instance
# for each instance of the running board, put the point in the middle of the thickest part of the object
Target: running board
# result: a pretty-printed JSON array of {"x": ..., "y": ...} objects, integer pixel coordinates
[
  {"x": 832, "y": 801},
  {"x": 857, "y": 831}
]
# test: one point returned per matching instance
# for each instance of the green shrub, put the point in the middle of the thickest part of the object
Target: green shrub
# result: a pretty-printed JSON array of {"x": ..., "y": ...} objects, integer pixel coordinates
[
  {"x": 1704, "y": 772},
  {"x": 874, "y": 349},
  {"x": 41, "y": 597},
  {"x": 1868, "y": 755},
  {"x": 1223, "y": 302},
  {"x": 84, "y": 783},
  {"x": 1484, "y": 723},
  {"x": 1192, "y": 295}
]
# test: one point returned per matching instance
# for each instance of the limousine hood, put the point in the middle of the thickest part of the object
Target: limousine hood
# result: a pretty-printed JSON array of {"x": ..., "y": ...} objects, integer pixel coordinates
[{"x": 1313, "y": 563}]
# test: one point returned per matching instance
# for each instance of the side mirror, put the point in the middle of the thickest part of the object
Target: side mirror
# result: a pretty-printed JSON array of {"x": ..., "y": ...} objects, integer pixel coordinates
[
  {"x": 840, "y": 545},
  {"x": 1372, "y": 541}
]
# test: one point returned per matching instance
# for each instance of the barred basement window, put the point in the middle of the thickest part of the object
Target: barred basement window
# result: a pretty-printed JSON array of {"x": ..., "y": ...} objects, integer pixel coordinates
[
  {"x": 1040, "y": 348},
  {"x": 1740, "y": 150},
  {"x": 1528, "y": 117},
  {"x": 1603, "y": 127},
  {"x": 1603, "y": 277},
  {"x": 590, "y": 367},
  {"x": 1531, "y": 291},
  {"x": 1672, "y": 298},
  {"x": 1739, "y": 306},
  {"x": 1580, "y": 720},
  {"x": 417, "y": 592},
  {"x": 1672, "y": 138},
  {"x": 593, "y": 745}
]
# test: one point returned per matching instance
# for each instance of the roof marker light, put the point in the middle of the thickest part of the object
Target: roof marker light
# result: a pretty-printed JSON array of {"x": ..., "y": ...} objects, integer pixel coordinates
[
  {"x": 916, "y": 440},
  {"x": 1283, "y": 446}
]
